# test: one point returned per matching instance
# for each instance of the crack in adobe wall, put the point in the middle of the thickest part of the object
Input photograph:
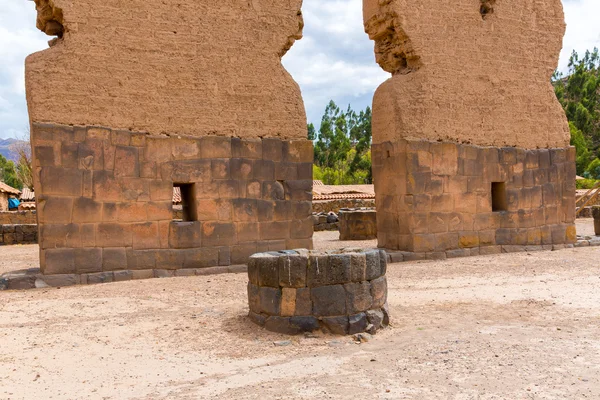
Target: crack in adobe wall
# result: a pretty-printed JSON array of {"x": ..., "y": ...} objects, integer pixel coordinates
[
  {"x": 394, "y": 51},
  {"x": 49, "y": 18},
  {"x": 487, "y": 8},
  {"x": 292, "y": 38}
]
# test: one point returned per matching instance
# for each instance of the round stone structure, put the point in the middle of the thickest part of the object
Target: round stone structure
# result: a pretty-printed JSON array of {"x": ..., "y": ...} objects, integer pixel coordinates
[{"x": 341, "y": 292}]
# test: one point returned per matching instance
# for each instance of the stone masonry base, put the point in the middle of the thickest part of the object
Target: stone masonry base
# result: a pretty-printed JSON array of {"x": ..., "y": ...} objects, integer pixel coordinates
[
  {"x": 439, "y": 197},
  {"x": 32, "y": 278},
  {"x": 105, "y": 199}
]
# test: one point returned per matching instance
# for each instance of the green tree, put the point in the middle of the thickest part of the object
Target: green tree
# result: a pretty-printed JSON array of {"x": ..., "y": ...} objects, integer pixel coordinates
[
  {"x": 342, "y": 147},
  {"x": 579, "y": 95},
  {"x": 8, "y": 173}
]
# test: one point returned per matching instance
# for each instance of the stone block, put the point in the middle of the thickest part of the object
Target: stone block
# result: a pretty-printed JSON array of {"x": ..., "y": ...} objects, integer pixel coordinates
[
  {"x": 218, "y": 234},
  {"x": 336, "y": 325},
  {"x": 265, "y": 269},
  {"x": 273, "y": 190},
  {"x": 126, "y": 162},
  {"x": 303, "y": 302},
  {"x": 298, "y": 190},
  {"x": 185, "y": 148},
  {"x": 317, "y": 268},
  {"x": 246, "y": 148},
  {"x": 357, "y": 323},
  {"x": 185, "y": 235},
  {"x": 358, "y": 267},
  {"x": 270, "y": 300},
  {"x": 145, "y": 236},
  {"x": 288, "y": 302},
  {"x": 245, "y": 210},
  {"x": 254, "y": 298},
  {"x": 373, "y": 267},
  {"x": 114, "y": 259},
  {"x": 489, "y": 250},
  {"x": 61, "y": 280},
  {"x": 122, "y": 276},
  {"x": 156, "y": 211},
  {"x": 55, "y": 210},
  {"x": 86, "y": 210},
  {"x": 201, "y": 258},
  {"x": 241, "y": 169},
  {"x": 292, "y": 271},
  {"x": 242, "y": 252},
  {"x": 263, "y": 170},
  {"x": 158, "y": 149},
  {"x": 141, "y": 259},
  {"x": 88, "y": 260},
  {"x": 215, "y": 147},
  {"x": 100, "y": 277},
  {"x": 423, "y": 243},
  {"x": 170, "y": 259},
  {"x": 230, "y": 189},
  {"x": 328, "y": 300},
  {"x": 142, "y": 274},
  {"x": 339, "y": 270},
  {"x": 379, "y": 292},
  {"x": 257, "y": 318},
  {"x": 446, "y": 241},
  {"x": 113, "y": 235},
  {"x": 224, "y": 256},
  {"x": 59, "y": 261},
  {"x": 275, "y": 230},
  {"x": 358, "y": 297},
  {"x": 304, "y": 324}
]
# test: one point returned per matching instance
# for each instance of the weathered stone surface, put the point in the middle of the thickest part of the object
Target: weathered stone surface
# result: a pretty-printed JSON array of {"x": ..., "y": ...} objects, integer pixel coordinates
[
  {"x": 328, "y": 300},
  {"x": 358, "y": 224},
  {"x": 270, "y": 300},
  {"x": 336, "y": 325},
  {"x": 357, "y": 323}
]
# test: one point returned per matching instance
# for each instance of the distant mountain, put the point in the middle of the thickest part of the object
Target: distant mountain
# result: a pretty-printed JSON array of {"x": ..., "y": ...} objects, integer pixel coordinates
[{"x": 5, "y": 145}]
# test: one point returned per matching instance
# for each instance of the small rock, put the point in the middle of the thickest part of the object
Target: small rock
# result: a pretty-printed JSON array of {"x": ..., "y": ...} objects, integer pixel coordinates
[
  {"x": 282, "y": 343},
  {"x": 335, "y": 343},
  {"x": 362, "y": 337}
]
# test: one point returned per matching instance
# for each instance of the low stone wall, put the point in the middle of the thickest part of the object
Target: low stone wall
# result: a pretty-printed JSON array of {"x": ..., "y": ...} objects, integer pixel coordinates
[
  {"x": 18, "y": 234},
  {"x": 303, "y": 291},
  {"x": 18, "y": 218},
  {"x": 358, "y": 224},
  {"x": 326, "y": 206},
  {"x": 325, "y": 221}
]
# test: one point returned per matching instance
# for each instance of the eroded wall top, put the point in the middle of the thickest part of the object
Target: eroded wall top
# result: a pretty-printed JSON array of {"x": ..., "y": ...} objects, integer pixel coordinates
[
  {"x": 178, "y": 67},
  {"x": 472, "y": 71}
]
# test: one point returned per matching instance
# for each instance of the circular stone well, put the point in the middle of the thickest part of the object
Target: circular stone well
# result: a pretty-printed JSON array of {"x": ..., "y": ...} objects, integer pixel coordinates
[{"x": 341, "y": 292}]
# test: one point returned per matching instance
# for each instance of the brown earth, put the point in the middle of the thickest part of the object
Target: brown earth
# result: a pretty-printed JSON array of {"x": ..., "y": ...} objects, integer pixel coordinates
[{"x": 513, "y": 326}]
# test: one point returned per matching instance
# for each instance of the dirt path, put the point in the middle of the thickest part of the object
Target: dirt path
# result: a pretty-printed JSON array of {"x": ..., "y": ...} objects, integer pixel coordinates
[{"x": 514, "y": 326}]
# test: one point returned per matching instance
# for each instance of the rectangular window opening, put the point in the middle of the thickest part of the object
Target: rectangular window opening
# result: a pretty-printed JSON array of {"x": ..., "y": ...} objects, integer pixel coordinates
[
  {"x": 184, "y": 202},
  {"x": 499, "y": 200}
]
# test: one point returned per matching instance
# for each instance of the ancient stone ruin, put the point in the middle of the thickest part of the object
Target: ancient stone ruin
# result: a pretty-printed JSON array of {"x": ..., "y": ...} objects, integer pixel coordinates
[
  {"x": 358, "y": 224},
  {"x": 471, "y": 147},
  {"x": 341, "y": 292},
  {"x": 133, "y": 100}
]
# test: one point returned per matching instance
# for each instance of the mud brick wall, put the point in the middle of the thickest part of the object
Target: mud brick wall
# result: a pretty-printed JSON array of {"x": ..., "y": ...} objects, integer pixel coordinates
[
  {"x": 105, "y": 198},
  {"x": 18, "y": 234},
  {"x": 18, "y": 218},
  {"x": 303, "y": 291},
  {"x": 437, "y": 196}
]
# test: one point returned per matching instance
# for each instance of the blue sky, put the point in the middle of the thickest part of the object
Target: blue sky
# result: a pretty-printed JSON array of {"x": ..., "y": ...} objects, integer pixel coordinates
[{"x": 334, "y": 60}]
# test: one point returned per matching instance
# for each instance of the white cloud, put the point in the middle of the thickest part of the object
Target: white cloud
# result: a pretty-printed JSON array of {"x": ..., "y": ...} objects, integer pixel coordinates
[
  {"x": 583, "y": 30},
  {"x": 334, "y": 60}
]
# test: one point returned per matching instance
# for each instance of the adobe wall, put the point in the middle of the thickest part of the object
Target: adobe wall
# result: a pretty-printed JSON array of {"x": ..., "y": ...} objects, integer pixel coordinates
[
  {"x": 133, "y": 99},
  {"x": 469, "y": 108},
  {"x": 462, "y": 76},
  {"x": 192, "y": 68}
]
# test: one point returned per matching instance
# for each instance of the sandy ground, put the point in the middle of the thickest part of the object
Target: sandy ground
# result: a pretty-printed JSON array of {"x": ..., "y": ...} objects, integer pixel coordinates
[{"x": 513, "y": 326}]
